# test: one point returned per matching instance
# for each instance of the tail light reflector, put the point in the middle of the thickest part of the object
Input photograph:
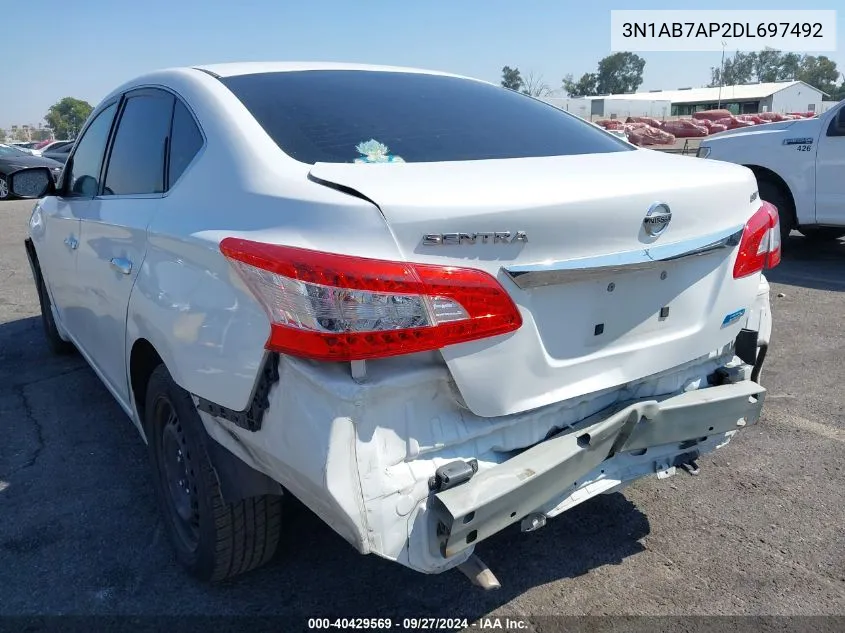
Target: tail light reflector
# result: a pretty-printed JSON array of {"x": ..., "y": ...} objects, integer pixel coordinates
[
  {"x": 760, "y": 246},
  {"x": 341, "y": 308}
]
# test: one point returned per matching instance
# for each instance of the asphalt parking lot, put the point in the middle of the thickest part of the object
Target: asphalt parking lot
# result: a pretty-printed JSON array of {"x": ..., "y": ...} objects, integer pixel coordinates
[{"x": 759, "y": 531}]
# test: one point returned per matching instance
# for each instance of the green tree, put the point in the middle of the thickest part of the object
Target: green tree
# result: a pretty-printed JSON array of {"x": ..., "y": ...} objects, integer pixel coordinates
[
  {"x": 772, "y": 65},
  {"x": 738, "y": 69},
  {"x": 584, "y": 87},
  {"x": 511, "y": 79},
  {"x": 820, "y": 72},
  {"x": 789, "y": 66},
  {"x": 67, "y": 117},
  {"x": 2, "y": 135},
  {"x": 767, "y": 64},
  {"x": 618, "y": 73}
]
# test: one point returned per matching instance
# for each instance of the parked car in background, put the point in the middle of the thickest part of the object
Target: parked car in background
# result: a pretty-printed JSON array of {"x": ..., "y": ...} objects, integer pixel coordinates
[
  {"x": 333, "y": 281},
  {"x": 27, "y": 147},
  {"x": 12, "y": 159},
  {"x": 53, "y": 145},
  {"x": 800, "y": 168},
  {"x": 58, "y": 153}
]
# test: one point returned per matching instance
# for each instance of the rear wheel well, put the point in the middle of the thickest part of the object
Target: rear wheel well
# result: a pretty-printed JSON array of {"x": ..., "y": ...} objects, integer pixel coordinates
[
  {"x": 763, "y": 173},
  {"x": 142, "y": 362}
]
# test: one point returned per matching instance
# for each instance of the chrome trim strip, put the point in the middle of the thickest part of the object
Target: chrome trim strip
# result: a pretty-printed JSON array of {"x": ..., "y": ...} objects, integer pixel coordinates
[{"x": 550, "y": 273}]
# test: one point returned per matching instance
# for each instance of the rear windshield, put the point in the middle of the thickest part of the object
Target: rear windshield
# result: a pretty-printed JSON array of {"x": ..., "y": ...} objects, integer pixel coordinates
[{"x": 344, "y": 116}]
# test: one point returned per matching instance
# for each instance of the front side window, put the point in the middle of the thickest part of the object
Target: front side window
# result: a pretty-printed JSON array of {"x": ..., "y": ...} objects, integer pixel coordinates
[
  {"x": 333, "y": 115},
  {"x": 136, "y": 162},
  {"x": 83, "y": 179}
]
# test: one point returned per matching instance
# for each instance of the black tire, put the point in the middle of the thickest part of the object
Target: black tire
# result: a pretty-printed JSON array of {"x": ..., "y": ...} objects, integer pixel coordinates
[
  {"x": 213, "y": 540},
  {"x": 773, "y": 192},
  {"x": 5, "y": 194},
  {"x": 55, "y": 342},
  {"x": 822, "y": 233}
]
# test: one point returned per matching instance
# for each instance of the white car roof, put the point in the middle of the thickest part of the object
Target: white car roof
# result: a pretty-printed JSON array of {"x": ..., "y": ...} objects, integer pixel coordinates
[{"x": 250, "y": 68}]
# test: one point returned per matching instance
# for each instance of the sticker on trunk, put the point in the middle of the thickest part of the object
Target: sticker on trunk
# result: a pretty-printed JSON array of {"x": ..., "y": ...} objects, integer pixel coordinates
[
  {"x": 732, "y": 318},
  {"x": 805, "y": 140}
]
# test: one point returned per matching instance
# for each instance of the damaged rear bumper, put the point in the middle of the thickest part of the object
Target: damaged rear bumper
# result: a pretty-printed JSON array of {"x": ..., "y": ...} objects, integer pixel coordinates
[
  {"x": 365, "y": 456},
  {"x": 504, "y": 494}
]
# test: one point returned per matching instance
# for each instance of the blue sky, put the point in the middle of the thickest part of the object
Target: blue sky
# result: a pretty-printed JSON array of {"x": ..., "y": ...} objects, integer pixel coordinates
[{"x": 84, "y": 48}]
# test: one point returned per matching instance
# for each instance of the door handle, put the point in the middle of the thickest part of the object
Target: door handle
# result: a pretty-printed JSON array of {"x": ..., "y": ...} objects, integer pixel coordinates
[
  {"x": 121, "y": 265},
  {"x": 71, "y": 242}
]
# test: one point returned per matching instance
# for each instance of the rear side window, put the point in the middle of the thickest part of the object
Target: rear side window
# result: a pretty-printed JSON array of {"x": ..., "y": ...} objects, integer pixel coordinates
[
  {"x": 83, "y": 179},
  {"x": 185, "y": 142},
  {"x": 136, "y": 163},
  {"x": 331, "y": 115}
]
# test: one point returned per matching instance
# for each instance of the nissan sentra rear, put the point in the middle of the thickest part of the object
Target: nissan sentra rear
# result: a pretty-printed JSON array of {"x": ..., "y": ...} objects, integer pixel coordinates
[{"x": 427, "y": 307}]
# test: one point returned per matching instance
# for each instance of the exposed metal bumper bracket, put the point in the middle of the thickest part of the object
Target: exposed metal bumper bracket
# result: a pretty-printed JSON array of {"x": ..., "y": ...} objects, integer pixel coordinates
[
  {"x": 251, "y": 417},
  {"x": 504, "y": 494}
]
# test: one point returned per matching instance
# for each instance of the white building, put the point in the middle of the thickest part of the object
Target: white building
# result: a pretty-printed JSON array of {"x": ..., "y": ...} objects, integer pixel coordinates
[
  {"x": 594, "y": 108},
  {"x": 781, "y": 96}
]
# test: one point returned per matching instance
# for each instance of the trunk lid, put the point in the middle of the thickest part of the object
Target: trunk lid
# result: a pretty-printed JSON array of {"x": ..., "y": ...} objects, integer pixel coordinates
[{"x": 588, "y": 277}]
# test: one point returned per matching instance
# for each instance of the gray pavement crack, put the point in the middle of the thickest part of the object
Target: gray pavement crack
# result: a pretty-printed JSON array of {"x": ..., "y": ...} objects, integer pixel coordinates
[
  {"x": 29, "y": 418},
  {"x": 19, "y": 390}
]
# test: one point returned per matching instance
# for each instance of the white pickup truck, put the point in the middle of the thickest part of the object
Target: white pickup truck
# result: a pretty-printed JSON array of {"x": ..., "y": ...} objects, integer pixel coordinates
[{"x": 800, "y": 168}]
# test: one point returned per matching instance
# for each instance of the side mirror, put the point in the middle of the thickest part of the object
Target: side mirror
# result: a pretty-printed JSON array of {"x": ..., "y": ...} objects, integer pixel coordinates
[{"x": 35, "y": 182}]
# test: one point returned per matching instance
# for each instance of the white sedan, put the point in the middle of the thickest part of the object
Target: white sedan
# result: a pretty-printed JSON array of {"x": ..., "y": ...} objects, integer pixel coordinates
[{"x": 426, "y": 306}]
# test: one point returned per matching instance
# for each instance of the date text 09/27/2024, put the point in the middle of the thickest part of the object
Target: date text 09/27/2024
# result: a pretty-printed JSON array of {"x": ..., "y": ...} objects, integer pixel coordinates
[{"x": 419, "y": 624}]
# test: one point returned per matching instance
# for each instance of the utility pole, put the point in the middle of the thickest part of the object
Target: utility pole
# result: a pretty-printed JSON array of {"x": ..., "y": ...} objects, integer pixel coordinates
[{"x": 722, "y": 75}]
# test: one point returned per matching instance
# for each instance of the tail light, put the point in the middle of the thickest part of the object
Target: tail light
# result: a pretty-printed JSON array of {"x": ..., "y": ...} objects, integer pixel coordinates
[
  {"x": 760, "y": 246},
  {"x": 339, "y": 308}
]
